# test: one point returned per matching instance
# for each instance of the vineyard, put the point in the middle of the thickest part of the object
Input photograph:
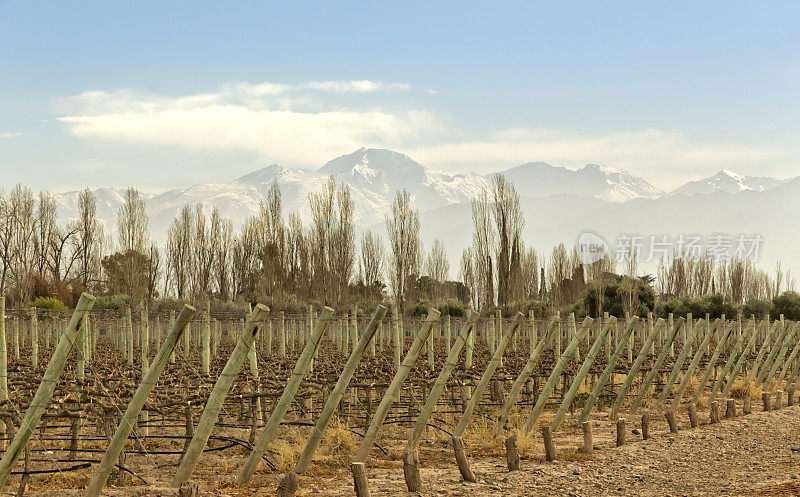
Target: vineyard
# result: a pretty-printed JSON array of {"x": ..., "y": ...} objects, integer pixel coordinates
[{"x": 202, "y": 403}]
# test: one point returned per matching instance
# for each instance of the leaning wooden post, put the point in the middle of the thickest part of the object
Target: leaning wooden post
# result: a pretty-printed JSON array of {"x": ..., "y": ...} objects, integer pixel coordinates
[
  {"x": 688, "y": 339},
  {"x": 781, "y": 356},
  {"x": 692, "y": 366},
  {"x": 218, "y": 394},
  {"x": 712, "y": 363},
  {"x": 656, "y": 367},
  {"x": 289, "y": 482},
  {"x": 635, "y": 368},
  {"x": 735, "y": 351},
  {"x": 786, "y": 334},
  {"x": 741, "y": 360},
  {"x": 522, "y": 377},
  {"x": 494, "y": 362},
  {"x": 578, "y": 380},
  {"x": 556, "y": 373},
  {"x": 287, "y": 397},
  {"x": 549, "y": 445},
  {"x": 128, "y": 421},
  {"x": 410, "y": 452},
  {"x": 389, "y": 398},
  {"x": 3, "y": 352},
  {"x": 393, "y": 391},
  {"x": 45, "y": 391},
  {"x": 601, "y": 381}
]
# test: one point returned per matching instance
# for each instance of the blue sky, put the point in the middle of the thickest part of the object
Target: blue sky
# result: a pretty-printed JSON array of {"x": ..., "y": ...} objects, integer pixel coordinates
[{"x": 167, "y": 94}]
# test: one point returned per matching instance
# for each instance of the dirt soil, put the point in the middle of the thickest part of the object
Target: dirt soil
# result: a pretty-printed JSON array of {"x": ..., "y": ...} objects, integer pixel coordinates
[{"x": 757, "y": 454}]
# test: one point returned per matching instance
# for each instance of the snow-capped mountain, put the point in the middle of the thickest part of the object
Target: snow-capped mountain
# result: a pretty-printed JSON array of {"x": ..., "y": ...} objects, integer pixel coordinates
[
  {"x": 538, "y": 179},
  {"x": 728, "y": 182}
]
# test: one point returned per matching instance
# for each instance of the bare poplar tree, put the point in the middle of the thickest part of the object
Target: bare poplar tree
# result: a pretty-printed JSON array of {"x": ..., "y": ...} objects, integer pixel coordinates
[
  {"x": 88, "y": 239},
  {"x": 509, "y": 222},
  {"x": 373, "y": 258},
  {"x": 405, "y": 253},
  {"x": 483, "y": 238},
  {"x": 179, "y": 251}
]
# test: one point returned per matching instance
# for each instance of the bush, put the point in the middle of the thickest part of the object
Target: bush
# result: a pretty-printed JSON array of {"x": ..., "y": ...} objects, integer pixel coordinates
[
  {"x": 788, "y": 304},
  {"x": 111, "y": 302},
  {"x": 714, "y": 305},
  {"x": 453, "y": 307},
  {"x": 761, "y": 309},
  {"x": 48, "y": 303}
]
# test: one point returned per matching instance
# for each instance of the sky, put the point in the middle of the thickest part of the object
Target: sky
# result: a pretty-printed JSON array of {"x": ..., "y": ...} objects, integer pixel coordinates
[{"x": 164, "y": 95}]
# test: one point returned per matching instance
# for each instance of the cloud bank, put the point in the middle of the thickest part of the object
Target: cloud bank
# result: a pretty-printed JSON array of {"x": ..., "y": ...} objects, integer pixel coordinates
[{"x": 307, "y": 124}]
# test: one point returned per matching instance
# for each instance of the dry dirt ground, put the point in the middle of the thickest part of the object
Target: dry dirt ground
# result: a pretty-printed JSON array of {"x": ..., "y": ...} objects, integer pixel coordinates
[{"x": 757, "y": 454}]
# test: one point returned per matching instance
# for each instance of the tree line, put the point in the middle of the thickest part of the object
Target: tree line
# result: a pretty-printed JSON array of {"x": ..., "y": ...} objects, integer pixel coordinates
[{"x": 282, "y": 259}]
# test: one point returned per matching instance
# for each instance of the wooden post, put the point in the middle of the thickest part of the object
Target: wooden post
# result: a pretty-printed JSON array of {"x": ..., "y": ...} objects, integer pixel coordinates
[
  {"x": 634, "y": 369},
  {"x": 656, "y": 367},
  {"x": 282, "y": 406},
  {"x": 147, "y": 384},
  {"x": 512, "y": 453},
  {"x": 34, "y": 339},
  {"x": 338, "y": 390},
  {"x": 730, "y": 409},
  {"x": 411, "y": 455},
  {"x": 741, "y": 360},
  {"x": 692, "y": 408},
  {"x": 712, "y": 363},
  {"x": 217, "y": 397},
  {"x": 523, "y": 377},
  {"x": 129, "y": 336},
  {"x": 3, "y": 351},
  {"x": 46, "y": 388},
  {"x": 678, "y": 364},
  {"x": 487, "y": 375},
  {"x": 205, "y": 338},
  {"x": 746, "y": 409},
  {"x": 778, "y": 400},
  {"x": 398, "y": 349},
  {"x": 612, "y": 361},
  {"x": 556, "y": 373},
  {"x": 735, "y": 351},
  {"x": 578, "y": 380},
  {"x": 714, "y": 414},
  {"x": 645, "y": 425},
  {"x": 766, "y": 400},
  {"x": 692, "y": 366},
  {"x": 790, "y": 396},
  {"x": 588, "y": 438},
  {"x": 393, "y": 391},
  {"x": 549, "y": 446},
  {"x": 620, "y": 432},
  {"x": 673, "y": 424},
  {"x": 360, "y": 483}
]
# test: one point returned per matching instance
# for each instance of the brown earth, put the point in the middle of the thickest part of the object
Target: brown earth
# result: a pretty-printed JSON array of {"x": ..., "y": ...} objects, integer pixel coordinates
[{"x": 757, "y": 454}]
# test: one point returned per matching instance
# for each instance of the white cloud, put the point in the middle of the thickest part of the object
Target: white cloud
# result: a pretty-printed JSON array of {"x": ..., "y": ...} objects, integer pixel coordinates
[
  {"x": 259, "y": 118},
  {"x": 294, "y": 124},
  {"x": 667, "y": 158},
  {"x": 11, "y": 134}
]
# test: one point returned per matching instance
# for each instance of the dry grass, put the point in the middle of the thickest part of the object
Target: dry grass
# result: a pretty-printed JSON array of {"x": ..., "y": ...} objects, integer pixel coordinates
[{"x": 744, "y": 387}]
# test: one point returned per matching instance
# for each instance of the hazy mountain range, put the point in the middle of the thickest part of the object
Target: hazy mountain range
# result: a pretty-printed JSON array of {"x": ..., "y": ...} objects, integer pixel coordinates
[{"x": 558, "y": 203}]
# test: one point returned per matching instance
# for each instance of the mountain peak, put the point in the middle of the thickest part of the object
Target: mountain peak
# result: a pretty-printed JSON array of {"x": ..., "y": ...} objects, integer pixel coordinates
[
  {"x": 728, "y": 181},
  {"x": 374, "y": 159}
]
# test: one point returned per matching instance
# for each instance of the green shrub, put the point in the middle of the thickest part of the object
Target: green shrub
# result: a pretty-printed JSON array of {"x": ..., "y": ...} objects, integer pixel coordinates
[
  {"x": 788, "y": 304},
  {"x": 761, "y": 309},
  {"x": 48, "y": 303}
]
